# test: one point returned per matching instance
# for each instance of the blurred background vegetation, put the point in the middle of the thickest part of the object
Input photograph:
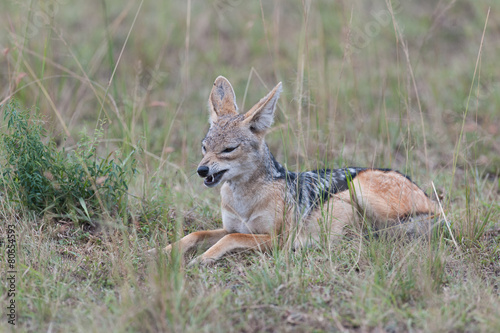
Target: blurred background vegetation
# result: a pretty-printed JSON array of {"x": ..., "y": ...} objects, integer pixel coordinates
[{"x": 350, "y": 88}]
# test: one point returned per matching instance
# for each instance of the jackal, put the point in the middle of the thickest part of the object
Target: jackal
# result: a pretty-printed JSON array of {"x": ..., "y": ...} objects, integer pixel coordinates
[{"x": 262, "y": 201}]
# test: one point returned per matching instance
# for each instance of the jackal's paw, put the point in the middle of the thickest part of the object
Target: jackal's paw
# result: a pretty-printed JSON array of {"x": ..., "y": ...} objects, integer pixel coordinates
[
  {"x": 201, "y": 261},
  {"x": 154, "y": 251},
  {"x": 168, "y": 249}
]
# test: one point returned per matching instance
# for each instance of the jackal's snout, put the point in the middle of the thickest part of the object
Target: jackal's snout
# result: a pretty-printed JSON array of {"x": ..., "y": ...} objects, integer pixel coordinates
[
  {"x": 203, "y": 171},
  {"x": 212, "y": 177}
]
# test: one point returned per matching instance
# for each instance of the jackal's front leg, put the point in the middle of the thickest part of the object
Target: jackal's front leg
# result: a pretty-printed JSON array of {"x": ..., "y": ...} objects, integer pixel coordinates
[
  {"x": 231, "y": 243},
  {"x": 194, "y": 240}
]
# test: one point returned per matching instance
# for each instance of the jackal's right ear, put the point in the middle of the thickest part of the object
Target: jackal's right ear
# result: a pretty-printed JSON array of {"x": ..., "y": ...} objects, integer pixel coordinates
[
  {"x": 222, "y": 100},
  {"x": 260, "y": 117}
]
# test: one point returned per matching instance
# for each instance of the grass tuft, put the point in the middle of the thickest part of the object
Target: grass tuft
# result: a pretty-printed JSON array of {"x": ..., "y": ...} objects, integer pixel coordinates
[{"x": 76, "y": 185}]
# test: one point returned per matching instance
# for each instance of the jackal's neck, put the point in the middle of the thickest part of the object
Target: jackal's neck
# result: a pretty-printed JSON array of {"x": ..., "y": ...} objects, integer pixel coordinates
[
  {"x": 266, "y": 169},
  {"x": 274, "y": 170}
]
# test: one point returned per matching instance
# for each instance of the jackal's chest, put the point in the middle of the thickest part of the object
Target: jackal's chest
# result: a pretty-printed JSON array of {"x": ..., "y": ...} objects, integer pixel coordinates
[
  {"x": 252, "y": 212},
  {"x": 252, "y": 224}
]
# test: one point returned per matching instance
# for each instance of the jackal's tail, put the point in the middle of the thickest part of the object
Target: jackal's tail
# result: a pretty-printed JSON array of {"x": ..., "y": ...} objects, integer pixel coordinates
[{"x": 423, "y": 225}]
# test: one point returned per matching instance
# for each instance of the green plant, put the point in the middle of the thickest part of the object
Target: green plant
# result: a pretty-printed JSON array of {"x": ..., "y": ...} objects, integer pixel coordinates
[{"x": 44, "y": 179}]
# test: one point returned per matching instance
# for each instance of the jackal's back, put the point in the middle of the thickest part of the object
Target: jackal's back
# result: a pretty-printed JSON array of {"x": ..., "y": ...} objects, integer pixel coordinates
[{"x": 380, "y": 194}]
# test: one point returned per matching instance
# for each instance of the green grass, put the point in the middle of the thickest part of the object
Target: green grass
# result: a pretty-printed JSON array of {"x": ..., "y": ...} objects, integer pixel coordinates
[
  {"x": 78, "y": 185},
  {"x": 135, "y": 77}
]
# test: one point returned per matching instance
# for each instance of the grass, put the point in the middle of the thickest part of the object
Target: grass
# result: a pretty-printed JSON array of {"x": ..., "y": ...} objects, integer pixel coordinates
[
  {"x": 420, "y": 96},
  {"x": 43, "y": 179}
]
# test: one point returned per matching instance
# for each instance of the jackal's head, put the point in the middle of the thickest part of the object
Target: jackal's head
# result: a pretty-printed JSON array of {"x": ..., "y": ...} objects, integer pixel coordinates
[{"x": 234, "y": 145}]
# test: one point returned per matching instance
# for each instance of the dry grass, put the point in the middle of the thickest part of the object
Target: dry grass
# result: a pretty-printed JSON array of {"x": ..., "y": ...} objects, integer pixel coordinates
[{"x": 414, "y": 94}]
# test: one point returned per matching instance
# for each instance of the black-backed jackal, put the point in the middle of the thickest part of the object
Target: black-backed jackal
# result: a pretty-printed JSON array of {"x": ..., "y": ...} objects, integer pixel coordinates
[{"x": 262, "y": 201}]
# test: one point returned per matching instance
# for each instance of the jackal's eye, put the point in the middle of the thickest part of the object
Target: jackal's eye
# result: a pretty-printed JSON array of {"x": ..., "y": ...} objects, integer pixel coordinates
[
  {"x": 203, "y": 149},
  {"x": 229, "y": 149}
]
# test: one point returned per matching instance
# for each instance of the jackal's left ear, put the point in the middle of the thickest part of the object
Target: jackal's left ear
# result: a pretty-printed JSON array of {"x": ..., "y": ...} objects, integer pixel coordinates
[{"x": 261, "y": 116}]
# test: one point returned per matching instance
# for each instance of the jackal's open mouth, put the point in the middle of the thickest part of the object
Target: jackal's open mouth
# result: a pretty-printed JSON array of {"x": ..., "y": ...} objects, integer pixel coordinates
[{"x": 214, "y": 179}]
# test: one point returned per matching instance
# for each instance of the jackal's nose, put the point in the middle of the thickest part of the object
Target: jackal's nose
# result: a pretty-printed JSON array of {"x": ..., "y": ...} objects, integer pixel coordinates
[{"x": 203, "y": 171}]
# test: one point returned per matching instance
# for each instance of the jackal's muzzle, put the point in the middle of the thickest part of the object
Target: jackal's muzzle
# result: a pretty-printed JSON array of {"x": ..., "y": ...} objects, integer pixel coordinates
[{"x": 210, "y": 180}]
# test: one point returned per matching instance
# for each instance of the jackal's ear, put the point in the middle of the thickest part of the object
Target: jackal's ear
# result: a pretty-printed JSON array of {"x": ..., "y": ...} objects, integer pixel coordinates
[
  {"x": 260, "y": 117},
  {"x": 222, "y": 100}
]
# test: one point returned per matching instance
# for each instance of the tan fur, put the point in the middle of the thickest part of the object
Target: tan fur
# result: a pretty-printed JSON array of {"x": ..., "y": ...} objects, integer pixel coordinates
[
  {"x": 389, "y": 196},
  {"x": 234, "y": 242},
  {"x": 255, "y": 205}
]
